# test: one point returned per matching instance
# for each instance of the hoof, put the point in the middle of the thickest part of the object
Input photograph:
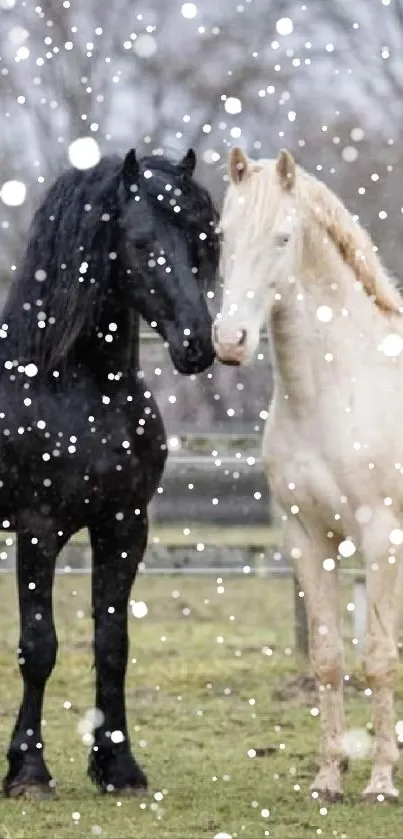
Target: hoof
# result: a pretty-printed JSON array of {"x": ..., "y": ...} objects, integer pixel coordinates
[
  {"x": 118, "y": 778},
  {"x": 380, "y": 797},
  {"x": 31, "y": 792},
  {"x": 326, "y": 796}
]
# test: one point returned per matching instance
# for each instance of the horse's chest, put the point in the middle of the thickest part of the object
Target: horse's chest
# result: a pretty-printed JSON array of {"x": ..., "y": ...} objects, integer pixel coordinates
[
  {"x": 298, "y": 476},
  {"x": 125, "y": 448},
  {"x": 79, "y": 457}
]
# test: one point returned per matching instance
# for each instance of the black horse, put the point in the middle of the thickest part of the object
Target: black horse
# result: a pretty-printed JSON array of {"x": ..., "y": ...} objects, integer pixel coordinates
[{"x": 82, "y": 442}]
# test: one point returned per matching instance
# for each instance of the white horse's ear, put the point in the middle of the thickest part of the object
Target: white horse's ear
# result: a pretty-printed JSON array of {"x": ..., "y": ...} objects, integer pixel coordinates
[
  {"x": 238, "y": 165},
  {"x": 285, "y": 166}
]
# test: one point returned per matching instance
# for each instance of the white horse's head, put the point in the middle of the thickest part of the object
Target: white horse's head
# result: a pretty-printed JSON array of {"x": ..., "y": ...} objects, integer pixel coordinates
[{"x": 260, "y": 238}]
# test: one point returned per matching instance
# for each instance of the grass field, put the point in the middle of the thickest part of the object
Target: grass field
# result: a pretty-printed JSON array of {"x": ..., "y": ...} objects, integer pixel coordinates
[{"x": 212, "y": 676}]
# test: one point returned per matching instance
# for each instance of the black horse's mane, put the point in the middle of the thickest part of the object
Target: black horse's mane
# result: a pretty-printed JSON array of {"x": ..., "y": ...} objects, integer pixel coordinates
[{"x": 72, "y": 256}]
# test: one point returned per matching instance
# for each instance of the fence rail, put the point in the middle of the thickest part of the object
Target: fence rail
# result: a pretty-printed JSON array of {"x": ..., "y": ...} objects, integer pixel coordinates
[{"x": 263, "y": 541}]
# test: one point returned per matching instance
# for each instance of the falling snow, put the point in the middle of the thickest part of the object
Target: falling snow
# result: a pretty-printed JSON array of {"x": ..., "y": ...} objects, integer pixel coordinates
[
  {"x": 139, "y": 608},
  {"x": 84, "y": 152},
  {"x": 145, "y": 46},
  {"x": 233, "y": 105},
  {"x": 349, "y": 154},
  {"x": 31, "y": 370},
  {"x": 346, "y": 548},
  {"x": 357, "y": 743},
  {"x": 284, "y": 26},
  {"x": 92, "y": 719},
  {"x": 13, "y": 193},
  {"x": 392, "y": 345},
  {"x": 78, "y": 86},
  {"x": 324, "y": 313},
  {"x": 396, "y": 536},
  {"x": 189, "y": 10}
]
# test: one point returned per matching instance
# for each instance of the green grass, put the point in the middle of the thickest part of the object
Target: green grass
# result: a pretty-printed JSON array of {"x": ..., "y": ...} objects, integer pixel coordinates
[
  {"x": 202, "y": 690},
  {"x": 187, "y": 533}
]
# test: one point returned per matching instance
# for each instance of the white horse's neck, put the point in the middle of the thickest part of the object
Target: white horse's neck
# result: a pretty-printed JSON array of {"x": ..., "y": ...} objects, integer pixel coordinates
[{"x": 311, "y": 353}]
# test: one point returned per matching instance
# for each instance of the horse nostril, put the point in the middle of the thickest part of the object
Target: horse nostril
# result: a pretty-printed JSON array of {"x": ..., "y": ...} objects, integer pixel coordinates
[{"x": 240, "y": 337}]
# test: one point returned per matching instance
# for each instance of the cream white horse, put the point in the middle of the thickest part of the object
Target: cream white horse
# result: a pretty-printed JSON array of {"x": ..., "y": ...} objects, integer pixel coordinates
[{"x": 294, "y": 258}]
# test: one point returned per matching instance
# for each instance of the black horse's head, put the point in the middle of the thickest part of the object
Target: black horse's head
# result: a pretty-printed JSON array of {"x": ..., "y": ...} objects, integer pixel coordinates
[{"x": 170, "y": 249}]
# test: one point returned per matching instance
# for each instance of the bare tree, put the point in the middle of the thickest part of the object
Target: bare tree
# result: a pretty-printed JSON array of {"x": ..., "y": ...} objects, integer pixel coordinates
[{"x": 325, "y": 79}]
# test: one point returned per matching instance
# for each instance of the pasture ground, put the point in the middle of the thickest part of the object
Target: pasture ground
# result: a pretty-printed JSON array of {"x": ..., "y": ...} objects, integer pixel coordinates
[{"x": 212, "y": 675}]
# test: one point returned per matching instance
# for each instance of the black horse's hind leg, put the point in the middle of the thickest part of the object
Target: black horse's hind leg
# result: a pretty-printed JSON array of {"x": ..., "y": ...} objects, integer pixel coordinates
[
  {"x": 36, "y": 558},
  {"x": 118, "y": 547}
]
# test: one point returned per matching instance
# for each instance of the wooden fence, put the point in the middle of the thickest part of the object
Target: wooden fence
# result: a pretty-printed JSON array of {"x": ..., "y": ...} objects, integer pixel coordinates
[{"x": 190, "y": 534}]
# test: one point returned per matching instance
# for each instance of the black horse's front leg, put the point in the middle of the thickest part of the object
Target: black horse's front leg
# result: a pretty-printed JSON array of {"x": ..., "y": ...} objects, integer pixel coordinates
[
  {"x": 118, "y": 547},
  {"x": 37, "y": 550}
]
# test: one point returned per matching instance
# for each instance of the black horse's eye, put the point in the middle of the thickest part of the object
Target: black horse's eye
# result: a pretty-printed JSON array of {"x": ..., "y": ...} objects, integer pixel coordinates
[{"x": 142, "y": 244}]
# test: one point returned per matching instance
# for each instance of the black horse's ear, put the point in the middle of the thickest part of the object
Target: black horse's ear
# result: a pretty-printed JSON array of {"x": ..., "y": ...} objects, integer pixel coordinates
[
  {"x": 130, "y": 169},
  {"x": 188, "y": 162}
]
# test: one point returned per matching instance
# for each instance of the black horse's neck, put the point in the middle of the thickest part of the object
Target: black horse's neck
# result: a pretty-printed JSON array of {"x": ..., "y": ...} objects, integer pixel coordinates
[
  {"x": 106, "y": 347},
  {"x": 110, "y": 352}
]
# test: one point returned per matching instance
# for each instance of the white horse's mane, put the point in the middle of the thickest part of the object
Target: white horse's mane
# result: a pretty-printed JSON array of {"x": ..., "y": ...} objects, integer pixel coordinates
[
  {"x": 318, "y": 205},
  {"x": 351, "y": 240}
]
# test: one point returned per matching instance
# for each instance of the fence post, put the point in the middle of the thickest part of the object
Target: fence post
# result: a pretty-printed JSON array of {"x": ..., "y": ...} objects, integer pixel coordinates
[
  {"x": 360, "y": 609},
  {"x": 261, "y": 564},
  {"x": 301, "y": 625}
]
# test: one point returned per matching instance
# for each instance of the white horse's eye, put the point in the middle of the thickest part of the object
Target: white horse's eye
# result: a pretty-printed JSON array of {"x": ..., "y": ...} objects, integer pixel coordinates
[{"x": 281, "y": 239}]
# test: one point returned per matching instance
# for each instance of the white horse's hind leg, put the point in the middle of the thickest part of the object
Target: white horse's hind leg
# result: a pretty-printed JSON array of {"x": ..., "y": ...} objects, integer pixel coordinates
[
  {"x": 384, "y": 591},
  {"x": 318, "y": 581}
]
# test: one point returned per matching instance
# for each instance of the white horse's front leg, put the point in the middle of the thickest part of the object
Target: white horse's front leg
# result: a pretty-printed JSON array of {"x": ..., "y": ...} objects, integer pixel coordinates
[
  {"x": 384, "y": 592},
  {"x": 315, "y": 558}
]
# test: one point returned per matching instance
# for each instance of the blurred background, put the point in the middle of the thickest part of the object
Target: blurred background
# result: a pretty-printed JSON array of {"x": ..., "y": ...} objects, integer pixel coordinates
[{"x": 325, "y": 79}]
